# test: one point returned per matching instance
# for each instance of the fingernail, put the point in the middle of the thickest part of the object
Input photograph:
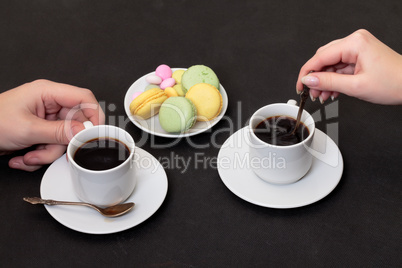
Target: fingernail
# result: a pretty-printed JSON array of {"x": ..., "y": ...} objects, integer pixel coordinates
[
  {"x": 298, "y": 92},
  {"x": 321, "y": 99},
  {"x": 310, "y": 80},
  {"x": 312, "y": 98},
  {"x": 15, "y": 165}
]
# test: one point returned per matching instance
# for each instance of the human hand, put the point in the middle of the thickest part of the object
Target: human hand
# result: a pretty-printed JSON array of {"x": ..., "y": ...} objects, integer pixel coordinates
[
  {"x": 358, "y": 65},
  {"x": 46, "y": 114}
]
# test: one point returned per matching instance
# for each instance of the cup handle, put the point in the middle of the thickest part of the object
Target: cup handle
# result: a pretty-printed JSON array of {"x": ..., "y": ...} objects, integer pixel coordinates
[
  {"x": 88, "y": 124},
  {"x": 292, "y": 102}
]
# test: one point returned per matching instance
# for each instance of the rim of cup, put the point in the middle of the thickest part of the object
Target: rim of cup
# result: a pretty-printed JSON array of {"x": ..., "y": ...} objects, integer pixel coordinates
[
  {"x": 70, "y": 155},
  {"x": 305, "y": 114}
]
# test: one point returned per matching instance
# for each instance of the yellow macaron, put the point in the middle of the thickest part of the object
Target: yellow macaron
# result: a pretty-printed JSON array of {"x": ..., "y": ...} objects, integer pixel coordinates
[
  {"x": 148, "y": 103},
  {"x": 171, "y": 92},
  {"x": 207, "y": 99},
  {"x": 177, "y": 75}
]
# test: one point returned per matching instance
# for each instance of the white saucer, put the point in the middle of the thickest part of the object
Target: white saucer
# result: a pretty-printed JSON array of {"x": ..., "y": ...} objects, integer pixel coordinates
[
  {"x": 323, "y": 176},
  {"x": 152, "y": 124},
  {"x": 148, "y": 196}
]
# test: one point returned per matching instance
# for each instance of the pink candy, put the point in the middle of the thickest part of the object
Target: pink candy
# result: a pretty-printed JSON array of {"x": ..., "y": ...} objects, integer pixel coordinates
[
  {"x": 153, "y": 79},
  {"x": 162, "y": 77},
  {"x": 136, "y": 94},
  {"x": 163, "y": 71},
  {"x": 168, "y": 82}
]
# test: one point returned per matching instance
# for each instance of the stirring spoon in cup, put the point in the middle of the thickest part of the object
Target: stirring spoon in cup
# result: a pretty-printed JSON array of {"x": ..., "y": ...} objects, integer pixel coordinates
[
  {"x": 303, "y": 98},
  {"x": 113, "y": 211}
]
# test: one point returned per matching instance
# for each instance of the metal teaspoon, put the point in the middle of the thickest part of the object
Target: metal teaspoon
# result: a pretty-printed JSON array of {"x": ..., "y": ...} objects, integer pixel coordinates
[
  {"x": 303, "y": 98},
  {"x": 113, "y": 211}
]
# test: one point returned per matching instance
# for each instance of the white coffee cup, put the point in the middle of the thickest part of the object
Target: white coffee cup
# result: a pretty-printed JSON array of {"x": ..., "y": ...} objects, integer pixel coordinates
[
  {"x": 280, "y": 164},
  {"x": 102, "y": 187}
]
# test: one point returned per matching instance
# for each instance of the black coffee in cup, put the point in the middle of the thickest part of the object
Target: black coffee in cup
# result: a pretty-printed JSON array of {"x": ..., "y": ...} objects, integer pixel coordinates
[
  {"x": 277, "y": 130},
  {"x": 101, "y": 154}
]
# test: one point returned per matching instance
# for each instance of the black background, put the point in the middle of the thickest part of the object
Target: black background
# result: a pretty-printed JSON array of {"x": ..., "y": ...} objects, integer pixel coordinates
[{"x": 256, "y": 48}]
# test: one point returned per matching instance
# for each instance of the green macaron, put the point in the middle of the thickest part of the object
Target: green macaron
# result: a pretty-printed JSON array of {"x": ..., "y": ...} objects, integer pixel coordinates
[
  {"x": 199, "y": 74},
  {"x": 177, "y": 115}
]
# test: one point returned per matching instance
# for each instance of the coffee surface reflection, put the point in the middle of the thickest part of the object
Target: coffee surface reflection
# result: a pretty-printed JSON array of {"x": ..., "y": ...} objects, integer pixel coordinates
[
  {"x": 277, "y": 130},
  {"x": 101, "y": 154}
]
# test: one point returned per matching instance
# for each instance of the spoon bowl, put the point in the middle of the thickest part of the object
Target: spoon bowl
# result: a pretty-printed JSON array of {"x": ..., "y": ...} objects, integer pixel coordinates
[{"x": 113, "y": 211}]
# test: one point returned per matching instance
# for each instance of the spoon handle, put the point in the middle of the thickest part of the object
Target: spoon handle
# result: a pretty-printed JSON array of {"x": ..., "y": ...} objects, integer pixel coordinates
[
  {"x": 303, "y": 98},
  {"x": 113, "y": 211},
  {"x": 50, "y": 202}
]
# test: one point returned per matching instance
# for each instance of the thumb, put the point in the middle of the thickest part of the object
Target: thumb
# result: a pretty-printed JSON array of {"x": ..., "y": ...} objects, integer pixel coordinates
[
  {"x": 55, "y": 132},
  {"x": 330, "y": 81}
]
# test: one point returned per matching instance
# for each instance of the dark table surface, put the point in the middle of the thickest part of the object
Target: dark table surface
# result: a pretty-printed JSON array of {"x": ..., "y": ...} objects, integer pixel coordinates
[{"x": 256, "y": 48}]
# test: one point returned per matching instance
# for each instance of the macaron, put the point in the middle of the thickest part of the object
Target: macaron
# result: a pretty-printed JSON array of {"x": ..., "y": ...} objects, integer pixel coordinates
[
  {"x": 177, "y": 115},
  {"x": 151, "y": 86},
  {"x": 199, "y": 74},
  {"x": 176, "y": 90},
  {"x": 177, "y": 75},
  {"x": 148, "y": 103},
  {"x": 179, "y": 89},
  {"x": 207, "y": 100},
  {"x": 171, "y": 92}
]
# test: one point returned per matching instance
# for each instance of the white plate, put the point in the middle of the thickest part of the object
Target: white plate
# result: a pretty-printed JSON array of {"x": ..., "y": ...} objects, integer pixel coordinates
[
  {"x": 323, "y": 176},
  {"x": 152, "y": 125},
  {"x": 148, "y": 196}
]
